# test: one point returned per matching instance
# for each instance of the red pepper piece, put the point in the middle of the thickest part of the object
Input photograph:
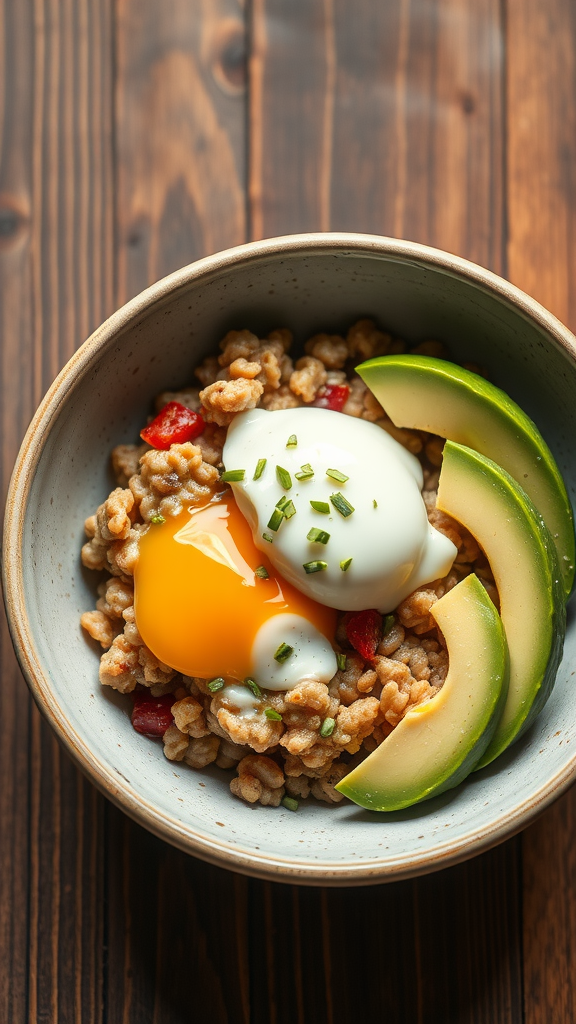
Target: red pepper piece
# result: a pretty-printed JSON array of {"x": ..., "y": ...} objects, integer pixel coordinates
[
  {"x": 333, "y": 396},
  {"x": 151, "y": 716},
  {"x": 174, "y": 424},
  {"x": 364, "y": 632}
]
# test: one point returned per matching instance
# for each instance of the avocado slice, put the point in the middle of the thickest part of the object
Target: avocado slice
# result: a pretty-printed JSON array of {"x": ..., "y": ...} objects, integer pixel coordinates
[
  {"x": 499, "y": 514},
  {"x": 438, "y": 743},
  {"x": 424, "y": 393}
]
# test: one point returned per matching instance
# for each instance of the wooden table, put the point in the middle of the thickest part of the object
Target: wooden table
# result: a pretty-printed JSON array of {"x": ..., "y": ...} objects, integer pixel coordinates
[{"x": 136, "y": 136}]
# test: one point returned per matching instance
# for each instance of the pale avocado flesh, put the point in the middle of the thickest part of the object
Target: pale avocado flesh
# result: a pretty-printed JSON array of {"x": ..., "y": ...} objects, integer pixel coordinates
[
  {"x": 497, "y": 512},
  {"x": 424, "y": 393},
  {"x": 438, "y": 743}
]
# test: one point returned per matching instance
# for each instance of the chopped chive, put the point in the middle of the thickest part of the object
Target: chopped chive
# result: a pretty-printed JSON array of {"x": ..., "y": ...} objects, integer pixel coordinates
[
  {"x": 341, "y": 660},
  {"x": 262, "y": 573},
  {"x": 289, "y": 803},
  {"x": 233, "y": 475},
  {"x": 253, "y": 687},
  {"x": 216, "y": 684},
  {"x": 260, "y": 467},
  {"x": 316, "y": 566},
  {"x": 157, "y": 520},
  {"x": 266, "y": 536},
  {"x": 345, "y": 564},
  {"x": 284, "y": 478},
  {"x": 286, "y": 507},
  {"x": 273, "y": 715},
  {"x": 321, "y": 506},
  {"x": 306, "y": 472},
  {"x": 283, "y": 653},
  {"x": 275, "y": 520},
  {"x": 341, "y": 505},
  {"x": 335, "y": 474},
  {"x": 388, "y": 623},
  {"x": 289, "y": 510},
  {"x": 375, "y": 503},
  {"x": 318, "y": 536},
  {"x": 327, "y": 728},
  {"x": 292, "y": 441}
]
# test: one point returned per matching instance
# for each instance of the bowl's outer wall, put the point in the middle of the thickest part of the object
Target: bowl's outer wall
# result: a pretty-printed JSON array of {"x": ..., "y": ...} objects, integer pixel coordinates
[{"x": 108, "y": 403}]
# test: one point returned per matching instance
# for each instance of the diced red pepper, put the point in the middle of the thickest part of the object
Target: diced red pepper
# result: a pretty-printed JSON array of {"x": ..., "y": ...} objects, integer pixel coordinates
[
  {"x": 364, "y": 632},
  {"x": 333, "y": 396},
  {"x": 151, "y": 716},
  {"x": 174, "y": 424}
]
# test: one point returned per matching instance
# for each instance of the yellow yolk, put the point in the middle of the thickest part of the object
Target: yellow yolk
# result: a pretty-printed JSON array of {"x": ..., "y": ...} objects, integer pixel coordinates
[{"x": 198, "y": 601}]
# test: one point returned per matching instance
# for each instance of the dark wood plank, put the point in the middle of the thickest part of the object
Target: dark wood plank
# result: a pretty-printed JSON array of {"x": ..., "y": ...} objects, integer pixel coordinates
[
  {"x": 177, "y": 938},
  {"x": 469, "y": 941},
  {"x": 56, "y": 285},
  {"x": 177, "y": 929},
  {"x": 180, "y": 135},
  {"x": 388, "y": 120},
  {"x": 541, "y": 72},
  {"x": 541, "y": 86}
]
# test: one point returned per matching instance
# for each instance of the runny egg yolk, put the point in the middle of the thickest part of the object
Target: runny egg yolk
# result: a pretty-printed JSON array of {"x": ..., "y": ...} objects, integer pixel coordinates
[{"x": 198, "y": 601}]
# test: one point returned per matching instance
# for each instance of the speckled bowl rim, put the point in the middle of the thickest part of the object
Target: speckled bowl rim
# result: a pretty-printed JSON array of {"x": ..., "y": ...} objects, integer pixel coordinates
[{"x": 191, "y": 840}]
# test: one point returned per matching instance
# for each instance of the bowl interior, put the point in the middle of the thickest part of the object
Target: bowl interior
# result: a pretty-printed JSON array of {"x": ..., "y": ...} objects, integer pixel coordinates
[{"x": 157, "y": 347}]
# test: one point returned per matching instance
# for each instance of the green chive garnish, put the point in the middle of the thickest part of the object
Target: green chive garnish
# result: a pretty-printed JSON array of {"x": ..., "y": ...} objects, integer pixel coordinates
[
  {"x": 292, "y": 441},
  {"x": 388, "y": 623},
  {"x": 272, "y": 715},
  {"x": 289, "y": 803},
  {"x": 157, "y": 520},
  {"x": 345, "y": 564},
  {"x": 233, "y": 475},
  {"x": 266, "y": 536},
  {"x": 286, "y": 507},
  {"x": 283, "y": 653},
  {"x": 253, "y": 687},
  {"x": 341, "y": 660},
  {"x": 316, "y": 566},
  {"x": 262, "y": 573},
  {"x": 306, "y": 472},
  {"x": 375, "y": 503},
  {"x": 318, "y": 536},
  {"x": 327, "y": 728},
  {"x": 341, "y": 505},
  {"x": 335, "y": 474},
  {"x": 275, "y": 520},
  {"x": 216, "y": 684},
  {"x": 284, "y": 478},
  {"x": 321, "y": 506},
  {"x": 260, "y": 467}
]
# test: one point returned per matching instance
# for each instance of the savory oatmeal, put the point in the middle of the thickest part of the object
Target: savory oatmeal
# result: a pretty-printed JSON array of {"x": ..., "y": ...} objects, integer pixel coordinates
[{"x": 281, "y": 745}]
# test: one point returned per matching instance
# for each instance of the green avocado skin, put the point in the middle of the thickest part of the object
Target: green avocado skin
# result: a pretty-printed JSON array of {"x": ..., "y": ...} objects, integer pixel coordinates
[
  {"x": 485, "y": 405},
  {"x": 514, "y": 501},
  {"x": 367, "y": 795},
  {"x": 556, "y": 649}
]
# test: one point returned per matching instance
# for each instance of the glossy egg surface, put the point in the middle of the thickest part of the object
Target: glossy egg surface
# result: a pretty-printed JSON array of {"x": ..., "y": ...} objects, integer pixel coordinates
[{"x": 199, "y": 603}]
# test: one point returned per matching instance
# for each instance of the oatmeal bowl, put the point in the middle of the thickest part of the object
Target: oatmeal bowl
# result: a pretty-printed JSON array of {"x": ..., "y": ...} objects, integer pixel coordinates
[{"x": 287, "y": 556}]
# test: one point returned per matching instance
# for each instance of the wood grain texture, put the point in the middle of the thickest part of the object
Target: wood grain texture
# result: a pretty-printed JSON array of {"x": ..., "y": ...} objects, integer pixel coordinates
[
  {"x": 180, "y": 135},
  {"x": 392, "y": 123},
  {"x": 126, "y": 131},
  {"x": 541, "y": 91},
  {"x": 55, "y": 287},
  {"x": 387, "y": 121},
  {"x": 541, "y": 86},
  {"x": 176, "y": 928}
]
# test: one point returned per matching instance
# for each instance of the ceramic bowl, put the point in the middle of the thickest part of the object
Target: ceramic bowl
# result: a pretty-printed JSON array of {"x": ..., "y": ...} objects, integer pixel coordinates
[{"x": 309, "y": 283}]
